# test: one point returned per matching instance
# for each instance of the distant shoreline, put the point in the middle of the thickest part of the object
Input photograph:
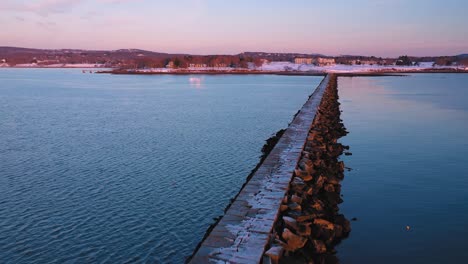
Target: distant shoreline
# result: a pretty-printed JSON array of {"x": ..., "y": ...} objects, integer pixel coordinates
[
  {"x": 354, "y": 72},
  {"x": 287, "y": 73}
]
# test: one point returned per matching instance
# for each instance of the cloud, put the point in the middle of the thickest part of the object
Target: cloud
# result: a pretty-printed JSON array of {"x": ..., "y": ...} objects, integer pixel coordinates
[
  {"x": 46, "y": 7},
  {"x": 41, "y": 7}
]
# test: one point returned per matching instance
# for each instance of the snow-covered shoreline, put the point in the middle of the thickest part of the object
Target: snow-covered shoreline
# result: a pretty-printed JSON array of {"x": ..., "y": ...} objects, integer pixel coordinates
[
  {"x": 271, "y": 67},
  {"x": 341, "y": 68},
  {"x": 289, "y": 67}
]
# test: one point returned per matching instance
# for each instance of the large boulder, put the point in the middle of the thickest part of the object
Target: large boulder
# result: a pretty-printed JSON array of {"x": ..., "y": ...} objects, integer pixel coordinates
[{"x": 293, "y": 241}]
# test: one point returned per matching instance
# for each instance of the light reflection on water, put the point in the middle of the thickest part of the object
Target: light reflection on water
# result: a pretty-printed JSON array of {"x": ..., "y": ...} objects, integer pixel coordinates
[
  {"x": 108, "y": 168},
  {"x": 196, "y": 82}
]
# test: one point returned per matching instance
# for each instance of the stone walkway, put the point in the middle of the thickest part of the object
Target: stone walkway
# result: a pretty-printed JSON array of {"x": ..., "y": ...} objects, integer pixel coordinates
[{"x": 243, "y": 232}]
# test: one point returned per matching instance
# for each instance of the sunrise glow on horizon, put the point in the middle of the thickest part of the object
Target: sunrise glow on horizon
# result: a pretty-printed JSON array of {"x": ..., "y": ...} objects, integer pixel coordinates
[{"x": 364, "y": 27}]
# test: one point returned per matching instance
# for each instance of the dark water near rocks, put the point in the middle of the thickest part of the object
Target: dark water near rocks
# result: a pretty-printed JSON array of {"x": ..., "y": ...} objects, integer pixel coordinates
[
  {"x": 409, "y": 140},
  {"x": 114, "y": 169}
]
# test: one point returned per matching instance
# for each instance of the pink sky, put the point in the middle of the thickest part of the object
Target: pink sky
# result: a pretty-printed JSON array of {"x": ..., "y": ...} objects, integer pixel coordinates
[{"x": 379, "y": 27}]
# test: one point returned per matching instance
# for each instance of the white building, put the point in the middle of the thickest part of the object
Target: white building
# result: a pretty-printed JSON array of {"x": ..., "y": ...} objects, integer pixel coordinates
[
  {"x": 325, "y": 61},
  {"x": 170, "y": 65},
  {"x": 317, "y": 61},
  {"x": 303, "y": 60},
  {"x": 197, "y": 65}
]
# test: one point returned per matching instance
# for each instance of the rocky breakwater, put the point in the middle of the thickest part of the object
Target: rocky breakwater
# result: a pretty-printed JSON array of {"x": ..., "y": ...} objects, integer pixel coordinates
[{"x": 310, "y": 225}]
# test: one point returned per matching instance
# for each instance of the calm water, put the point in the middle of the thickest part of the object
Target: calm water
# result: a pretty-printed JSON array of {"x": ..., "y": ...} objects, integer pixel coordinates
[
  {"x": 409, "y": 140},
  {"x": 100, "y": 168}
]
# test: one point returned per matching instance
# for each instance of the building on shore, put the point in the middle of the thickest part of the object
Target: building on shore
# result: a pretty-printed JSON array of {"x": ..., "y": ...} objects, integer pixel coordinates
[
  {"x": 303, "y": 60},
  {"x": 220, "y": 65},
  {"x": 316, "y": 61},
  {"x": 324, "y": 61},
  {"x": 170, "y": 65},
  {"x": 197, "y": 65}
]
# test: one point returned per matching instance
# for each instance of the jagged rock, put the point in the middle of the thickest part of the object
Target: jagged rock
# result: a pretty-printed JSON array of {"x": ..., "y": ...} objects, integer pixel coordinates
[
  {"x": 324, "y": 224},
  {"x": 342, "y": 221},
  {"x": 298, "y": 184},
  {"x": 310, "y": 190},
  {"x": 294, "y": 207},
  {"x": 337, "y": 188},
  {"x": 305, "y": 176},
  {"x": 275, "y": 253},
  {"x": 298, "y": 172},
  {"x": 329, "y": 188},
  {"x": 333, "y": 180},
  {"x": 341, "y": 166},
  {"x": 318, "y": 246},
  {"x": 303, "y": 218},
  {"x": 290, "y": 222},
  {"x": 298, "y": 181},
  {"x": 323, "y": 234},
  {"x": 338, "y": 231},
  {"x": 318, "y": 163},
  {"x": 296, "y": 199},
  {"x": 333, "y": 198},
  {"x": 320, "y": 181},
  {"x": 294, "y": 214},
  {"x": 318, "y": 206},
  {"x": 294, "y": 242},
  {"x": 309, "y": 167},
  {"x": 304, "y": 229}
]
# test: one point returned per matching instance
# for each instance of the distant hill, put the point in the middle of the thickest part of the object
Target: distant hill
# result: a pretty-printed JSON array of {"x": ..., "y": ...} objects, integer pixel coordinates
[
  {"x": 137, "y": 58},
  {"x": 16, "y": 55},
  {"x": 275, "y": 56},
  {"x": 130, "y": 52}
]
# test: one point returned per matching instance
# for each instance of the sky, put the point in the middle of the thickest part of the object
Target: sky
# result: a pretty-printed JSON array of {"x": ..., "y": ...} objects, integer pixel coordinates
[{"x": 332, "y": 27}]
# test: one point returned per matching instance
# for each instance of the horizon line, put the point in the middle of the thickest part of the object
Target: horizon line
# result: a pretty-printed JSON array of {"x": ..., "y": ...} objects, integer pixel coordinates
[{"x": 233, "y": 54}]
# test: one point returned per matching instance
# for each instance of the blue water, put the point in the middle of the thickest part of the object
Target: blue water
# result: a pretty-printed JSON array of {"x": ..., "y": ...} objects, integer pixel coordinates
[
  {"x": 409, "y": 140},
  {"x": 114, "y": 169}
]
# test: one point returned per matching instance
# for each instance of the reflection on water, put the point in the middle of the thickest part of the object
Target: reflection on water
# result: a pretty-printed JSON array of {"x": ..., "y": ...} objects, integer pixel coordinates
[
  {"x": 114, "y": 169},
  {"x": 408, "y": 185},
  {"x": 196, "y": 82}
]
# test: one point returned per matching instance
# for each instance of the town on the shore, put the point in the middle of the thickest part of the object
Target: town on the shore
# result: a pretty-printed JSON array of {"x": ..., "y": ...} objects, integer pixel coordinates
[{"x": 141, "y": 61}]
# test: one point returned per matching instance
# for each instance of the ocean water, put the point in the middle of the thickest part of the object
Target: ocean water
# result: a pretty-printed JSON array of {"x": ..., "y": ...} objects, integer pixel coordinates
[
  {"x": 409, "y": 139},
  {"x": 128, "y": 169}
]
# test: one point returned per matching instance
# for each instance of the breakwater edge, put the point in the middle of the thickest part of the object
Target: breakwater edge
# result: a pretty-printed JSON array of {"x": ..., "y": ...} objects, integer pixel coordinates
[
  {"x": 275, "y": 212},
  {"x": 310, "y": 225}
]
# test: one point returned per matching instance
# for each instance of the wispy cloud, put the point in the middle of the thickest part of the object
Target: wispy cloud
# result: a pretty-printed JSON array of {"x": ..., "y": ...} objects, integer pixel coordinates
[
  {"x": 46, "y": 7},
  {"x": 41, "y": 7}
]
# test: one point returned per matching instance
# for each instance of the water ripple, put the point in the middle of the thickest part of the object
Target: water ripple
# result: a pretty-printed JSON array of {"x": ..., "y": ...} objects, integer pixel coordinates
[{"x": 119, "y": 169}]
